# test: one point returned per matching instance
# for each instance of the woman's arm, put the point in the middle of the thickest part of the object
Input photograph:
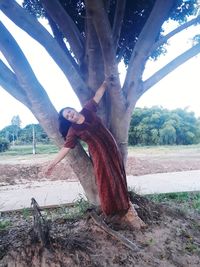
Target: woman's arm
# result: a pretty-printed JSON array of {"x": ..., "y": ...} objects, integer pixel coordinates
[
  {"x": 100, "y": 91},
  {"x": 61, "y": 154}
]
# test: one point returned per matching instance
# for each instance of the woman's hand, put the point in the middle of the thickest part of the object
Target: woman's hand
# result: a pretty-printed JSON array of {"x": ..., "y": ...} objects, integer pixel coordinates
[
  {"x": 49, "y": 169},
  {"x": 61, "y": 154}
]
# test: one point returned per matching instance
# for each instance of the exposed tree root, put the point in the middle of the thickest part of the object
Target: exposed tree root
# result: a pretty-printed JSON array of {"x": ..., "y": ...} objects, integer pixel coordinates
[{"x": 98, "y": 220}]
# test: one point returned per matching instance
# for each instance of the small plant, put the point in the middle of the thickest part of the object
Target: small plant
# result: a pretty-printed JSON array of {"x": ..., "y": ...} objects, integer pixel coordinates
[
  {"x": 191, "y": 247},
  {"x": 150, "y": 242},
  {"x": 82, "y": 205},
  {"x": 4, "y": 224},
  {"x": 196, "y": 204},
  {"x": 26, "y": 213}
]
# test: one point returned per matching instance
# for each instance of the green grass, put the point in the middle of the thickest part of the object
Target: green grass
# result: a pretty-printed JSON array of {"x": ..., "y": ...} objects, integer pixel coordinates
[
  {"x": 74, "y": 212},
  {"x": 21, "y": 150},
  {"x": 188, "y": 200},
  {"x": 26, "y": 213},
  {"x": 164, "y": 149}
]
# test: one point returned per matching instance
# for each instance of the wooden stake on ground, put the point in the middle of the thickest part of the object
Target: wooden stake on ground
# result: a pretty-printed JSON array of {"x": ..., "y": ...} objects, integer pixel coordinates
[{"x": 40, "y": 226}]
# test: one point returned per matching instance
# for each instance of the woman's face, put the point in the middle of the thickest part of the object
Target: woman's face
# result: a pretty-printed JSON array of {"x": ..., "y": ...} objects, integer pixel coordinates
[{"x": 70, "y": 114}]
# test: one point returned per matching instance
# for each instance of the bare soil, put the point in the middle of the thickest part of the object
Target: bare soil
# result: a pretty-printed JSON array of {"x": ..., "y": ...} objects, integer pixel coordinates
[
  {"x": 149, "y": 161},
  {"x": 171, "y": 239},
  {"x": 21, "y": 169}
]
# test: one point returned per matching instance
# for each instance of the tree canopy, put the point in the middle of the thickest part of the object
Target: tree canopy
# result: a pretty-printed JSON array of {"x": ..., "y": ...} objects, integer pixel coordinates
[{"x": 135, "y": 16}]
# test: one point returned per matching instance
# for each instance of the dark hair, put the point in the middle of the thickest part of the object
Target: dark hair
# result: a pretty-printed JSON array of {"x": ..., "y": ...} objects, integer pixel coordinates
[{"x": 64, "y": 124}]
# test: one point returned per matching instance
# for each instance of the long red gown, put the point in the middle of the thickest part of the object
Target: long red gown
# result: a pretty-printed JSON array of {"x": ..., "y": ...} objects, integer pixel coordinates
[{"x": 107, "y": 161}]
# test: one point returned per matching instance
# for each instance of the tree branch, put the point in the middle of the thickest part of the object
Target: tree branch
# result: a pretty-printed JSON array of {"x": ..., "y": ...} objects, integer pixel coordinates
[
  {"x": 9, "y": 82},
  {"x": 30, "y": 25},
  {"x": 59, "y": 38},
  {"x": 97, "y": 12},
  {"x": 95, "y": 64},
  {"x": 170, "y": 67},
  {"x": 118, "y": 21},
  {"x": 182, "y": 27},
  {"x": 66, "y": 26},
  {"x": 41, "y": 105},
  {"x": 19, "y": 63},
  {"x": 143, "y": 46}
]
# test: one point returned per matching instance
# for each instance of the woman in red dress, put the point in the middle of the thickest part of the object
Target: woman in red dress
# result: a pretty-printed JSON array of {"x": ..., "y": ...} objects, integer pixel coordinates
[{"x": 106, "y": 157}]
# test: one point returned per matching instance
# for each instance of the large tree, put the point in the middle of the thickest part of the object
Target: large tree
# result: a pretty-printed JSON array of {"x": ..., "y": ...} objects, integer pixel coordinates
[{"x": 89, "y": 38}]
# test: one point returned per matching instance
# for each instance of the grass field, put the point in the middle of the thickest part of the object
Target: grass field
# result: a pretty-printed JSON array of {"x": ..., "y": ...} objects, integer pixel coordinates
[
  {"x": 20, "y": 150},
  {"x": 50, "y": 149},
  {"x": 164, "y": 149},
  {"x": 185, "y": 200}
]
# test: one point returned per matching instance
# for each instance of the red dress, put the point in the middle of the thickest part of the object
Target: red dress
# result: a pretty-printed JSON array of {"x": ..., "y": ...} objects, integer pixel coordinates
[{"x": 107, "y": 162}]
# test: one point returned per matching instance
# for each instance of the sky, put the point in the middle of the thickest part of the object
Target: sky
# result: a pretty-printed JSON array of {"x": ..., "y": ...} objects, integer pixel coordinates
[{"x": 179, "y": 89}]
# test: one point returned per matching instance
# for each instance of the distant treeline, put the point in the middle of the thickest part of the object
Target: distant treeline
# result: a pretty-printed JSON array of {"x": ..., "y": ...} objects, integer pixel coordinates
[
  {"x": 159, "y": 126},
  {"x": 149, "y": 126},
  {"x": 15, "y": 134}
]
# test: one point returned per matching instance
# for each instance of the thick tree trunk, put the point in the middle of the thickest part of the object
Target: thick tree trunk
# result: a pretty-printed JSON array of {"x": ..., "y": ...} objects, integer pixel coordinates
[
  {"x": 120, "y": 127},
  {"x": 39, "y": 103},
  {"x": 82, "y": 167}
]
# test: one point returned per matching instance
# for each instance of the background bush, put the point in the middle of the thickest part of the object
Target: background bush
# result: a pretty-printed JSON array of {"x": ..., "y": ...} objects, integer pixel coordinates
[
  {"x": 4, "y": 145},
  {"x": 159, "y": 126}
]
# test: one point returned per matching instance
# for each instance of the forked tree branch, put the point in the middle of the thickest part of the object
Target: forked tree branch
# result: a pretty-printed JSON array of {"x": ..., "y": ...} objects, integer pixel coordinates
[
  {"x": 144, "y": 44},
  {"x": 20, "y": 66},
  {"x": 30, "y": 25},
  {"x": 170, "y": 67},
  {"x": 40, "y": 103},
  {"x": 18, "y": 62},
  {"x": 182, "y": 27}
]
